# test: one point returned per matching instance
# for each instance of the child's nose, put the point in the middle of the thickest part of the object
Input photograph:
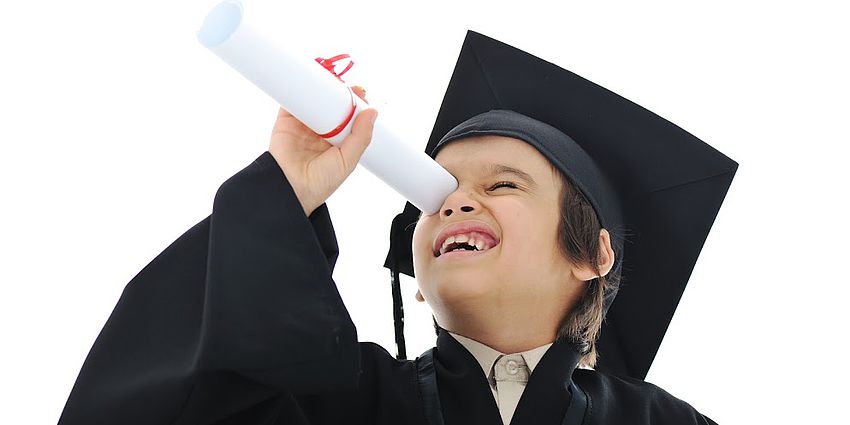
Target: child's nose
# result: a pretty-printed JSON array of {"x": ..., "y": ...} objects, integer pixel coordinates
[
  {"x": 459, "y": 201},
  {"x": 465, "y": 208}
]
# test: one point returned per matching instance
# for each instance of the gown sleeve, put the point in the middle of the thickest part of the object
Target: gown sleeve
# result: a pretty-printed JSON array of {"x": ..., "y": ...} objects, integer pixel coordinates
[{"x": 238, "y": 310}]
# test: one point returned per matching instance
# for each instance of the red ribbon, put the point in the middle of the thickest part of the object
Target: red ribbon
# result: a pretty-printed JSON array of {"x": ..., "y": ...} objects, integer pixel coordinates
[{"x": 329, "y": 65}]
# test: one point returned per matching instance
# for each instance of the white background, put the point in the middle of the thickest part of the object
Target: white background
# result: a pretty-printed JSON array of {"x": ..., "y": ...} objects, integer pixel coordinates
[{"x": 117, "y": 127}]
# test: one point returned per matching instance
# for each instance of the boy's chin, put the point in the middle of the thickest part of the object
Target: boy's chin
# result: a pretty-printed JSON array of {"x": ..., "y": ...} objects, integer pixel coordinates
[{"x": 459, "y": 285}]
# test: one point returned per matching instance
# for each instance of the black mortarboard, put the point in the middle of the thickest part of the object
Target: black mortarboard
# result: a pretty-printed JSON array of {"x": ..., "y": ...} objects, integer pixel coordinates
[{"x": 648, "y": 180}]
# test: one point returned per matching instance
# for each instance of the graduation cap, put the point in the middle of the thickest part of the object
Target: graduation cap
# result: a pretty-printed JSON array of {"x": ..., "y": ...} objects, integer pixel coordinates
[{"x": 641, "y": 173}]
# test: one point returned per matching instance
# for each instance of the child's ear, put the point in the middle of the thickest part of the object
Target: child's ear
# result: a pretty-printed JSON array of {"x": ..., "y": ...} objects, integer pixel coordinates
[
  {"x": 605, "y": 259},
  {"x": 419, "y": 296}
]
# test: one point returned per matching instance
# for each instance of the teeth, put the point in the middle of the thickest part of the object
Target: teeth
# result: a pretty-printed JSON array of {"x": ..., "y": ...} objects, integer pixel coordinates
[
  {"x": 472, "y": 239},
  {"x": 446, "y": 244}
]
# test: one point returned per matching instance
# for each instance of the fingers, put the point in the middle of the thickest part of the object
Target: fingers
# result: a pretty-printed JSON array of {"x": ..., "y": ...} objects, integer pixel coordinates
[
  {"x": 280, "y": 123},
  {"x": 361, "y": 135},
  {"x": 288, "y": 124},
  {"x": 283, "y": 113}
]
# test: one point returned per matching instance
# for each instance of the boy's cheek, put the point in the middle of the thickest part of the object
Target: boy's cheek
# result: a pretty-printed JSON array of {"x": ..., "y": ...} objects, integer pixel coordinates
[
  {"x": 421, "y": 238},
  {"x": 421, "y": 252}
]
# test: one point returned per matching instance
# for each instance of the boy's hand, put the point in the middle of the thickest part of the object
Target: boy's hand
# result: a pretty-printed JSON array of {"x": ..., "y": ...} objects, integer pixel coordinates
[{"x": 314, "y": 167}]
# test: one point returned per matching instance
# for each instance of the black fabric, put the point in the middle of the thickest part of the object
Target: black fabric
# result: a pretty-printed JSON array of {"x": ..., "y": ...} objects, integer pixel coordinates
[
  {"x": 656, "y": 187},
  {"x": 238, "y": 321},
  {"x": 427, "y": 376},
  {"x": 577, "y": 410},
  {"x": 428, "y": 391}
]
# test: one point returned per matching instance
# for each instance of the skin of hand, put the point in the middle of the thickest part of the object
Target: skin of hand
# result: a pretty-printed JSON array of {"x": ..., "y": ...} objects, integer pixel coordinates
[{"x": 314, "y": 167}]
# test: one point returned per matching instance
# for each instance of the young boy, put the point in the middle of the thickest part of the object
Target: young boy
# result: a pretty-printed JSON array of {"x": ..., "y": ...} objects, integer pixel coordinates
[{"x": 240, "y": 322}]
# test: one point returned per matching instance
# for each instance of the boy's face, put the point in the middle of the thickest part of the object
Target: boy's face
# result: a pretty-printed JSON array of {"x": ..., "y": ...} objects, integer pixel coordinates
[{"x": 507, "y": 203}]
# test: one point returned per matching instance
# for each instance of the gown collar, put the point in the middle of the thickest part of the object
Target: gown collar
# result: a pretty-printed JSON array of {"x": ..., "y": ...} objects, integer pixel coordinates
[{"x": 466, "y": 396}]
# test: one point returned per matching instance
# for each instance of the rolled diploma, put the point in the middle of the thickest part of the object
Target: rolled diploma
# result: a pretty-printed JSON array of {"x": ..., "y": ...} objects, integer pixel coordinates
[{"x": 322, "y": 102}]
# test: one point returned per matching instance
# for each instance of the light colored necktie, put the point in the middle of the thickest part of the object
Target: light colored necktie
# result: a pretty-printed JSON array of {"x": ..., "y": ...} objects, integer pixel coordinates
[{"x": 510, "y": 374}]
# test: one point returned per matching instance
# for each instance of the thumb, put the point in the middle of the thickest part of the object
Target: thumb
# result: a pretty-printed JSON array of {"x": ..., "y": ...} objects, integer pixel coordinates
[{"x": 353, "y": 146}]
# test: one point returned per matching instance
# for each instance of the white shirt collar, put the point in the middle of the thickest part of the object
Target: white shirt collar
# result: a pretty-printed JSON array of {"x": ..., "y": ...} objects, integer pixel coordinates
[{"x": 486, "y": 355}]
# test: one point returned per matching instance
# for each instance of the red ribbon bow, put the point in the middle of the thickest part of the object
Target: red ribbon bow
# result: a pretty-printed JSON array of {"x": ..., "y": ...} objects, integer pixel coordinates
[{"x": 329, "y": 64}]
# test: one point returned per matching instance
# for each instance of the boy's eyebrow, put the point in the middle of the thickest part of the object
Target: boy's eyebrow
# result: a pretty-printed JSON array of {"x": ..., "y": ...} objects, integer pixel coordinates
[{"x": 495, "y": 169}]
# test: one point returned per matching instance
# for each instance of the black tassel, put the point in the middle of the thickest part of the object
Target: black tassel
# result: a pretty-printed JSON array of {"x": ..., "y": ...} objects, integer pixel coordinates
[
  {"x": 398, "y": 314},
  {"x": 397, "y": 250}
]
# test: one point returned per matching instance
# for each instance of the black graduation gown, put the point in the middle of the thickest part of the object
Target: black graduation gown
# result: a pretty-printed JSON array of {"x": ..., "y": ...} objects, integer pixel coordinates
[{"x": 238, "y": 321}]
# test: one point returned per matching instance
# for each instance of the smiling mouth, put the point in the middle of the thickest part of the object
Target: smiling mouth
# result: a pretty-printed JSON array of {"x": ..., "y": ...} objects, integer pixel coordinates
[{"x": 470, "y": 243}]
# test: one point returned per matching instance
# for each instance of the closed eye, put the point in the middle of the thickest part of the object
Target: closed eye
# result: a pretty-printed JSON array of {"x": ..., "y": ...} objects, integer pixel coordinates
[{"x": 502, "y": 184}]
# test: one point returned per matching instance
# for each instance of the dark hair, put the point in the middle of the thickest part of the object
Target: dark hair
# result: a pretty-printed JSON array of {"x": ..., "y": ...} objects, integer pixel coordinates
[{"x": 578, "y": 237}]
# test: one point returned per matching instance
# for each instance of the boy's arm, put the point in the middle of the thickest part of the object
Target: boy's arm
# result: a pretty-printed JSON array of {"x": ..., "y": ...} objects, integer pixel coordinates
[{"x": 238, "y": 310}]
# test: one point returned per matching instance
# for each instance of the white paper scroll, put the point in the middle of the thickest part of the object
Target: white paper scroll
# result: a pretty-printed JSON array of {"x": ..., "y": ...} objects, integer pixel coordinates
[{"x": 322, "y": 102}]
